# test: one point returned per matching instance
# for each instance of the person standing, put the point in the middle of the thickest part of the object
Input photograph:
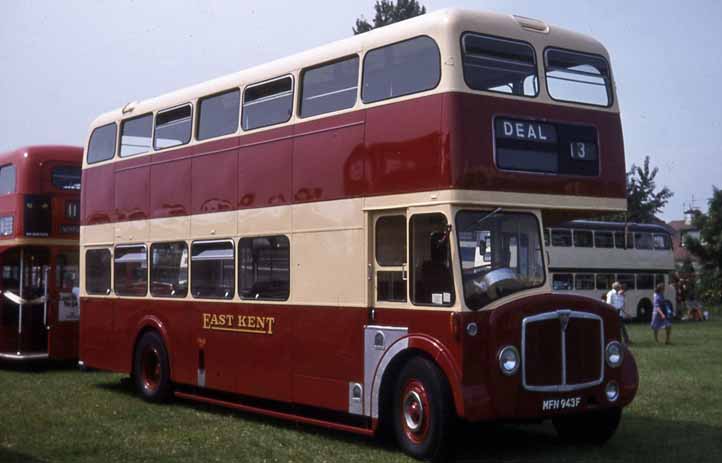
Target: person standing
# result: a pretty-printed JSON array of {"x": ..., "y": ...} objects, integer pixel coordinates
[
  {"x": 660, "y": 318},
  {"x": 615, "y": 298}
]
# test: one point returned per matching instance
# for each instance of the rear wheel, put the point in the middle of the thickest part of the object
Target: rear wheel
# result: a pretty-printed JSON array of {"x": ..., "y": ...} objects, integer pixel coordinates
[
  {"x": 422, "y": 413},
  {"x": 151, "y": 372},
  {"x": 644, "y": 310},
  {"x": 595, "y": 427}
]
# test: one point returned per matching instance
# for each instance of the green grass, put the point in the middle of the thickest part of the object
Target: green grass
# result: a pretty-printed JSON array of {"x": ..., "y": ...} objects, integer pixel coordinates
[{"x": 54, "y": 413}]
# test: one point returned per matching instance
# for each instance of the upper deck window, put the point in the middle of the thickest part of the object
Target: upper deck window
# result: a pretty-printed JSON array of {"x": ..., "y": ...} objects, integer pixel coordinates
[
  {"x": 329, "y": 87},
  {"x": 66, "y": 177},
  {"x": 218, "y": 114},
  {"x": 499, "y": 65},
  {"x": 173, "y": 127},
  {"x": 136, "y": 135},
  {"x": 7, "y": 179},
  {"x": 401, "y": 69},
  {"x": 102, "y": 143},
  {"x": 662, "y": 241},
  {"x": 268, "y": 104},
  {"x": 578, "y": 77}
]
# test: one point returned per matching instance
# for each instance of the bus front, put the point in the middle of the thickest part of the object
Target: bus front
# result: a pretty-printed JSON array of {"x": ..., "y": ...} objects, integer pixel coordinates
[{"x": 534, "y": 137}]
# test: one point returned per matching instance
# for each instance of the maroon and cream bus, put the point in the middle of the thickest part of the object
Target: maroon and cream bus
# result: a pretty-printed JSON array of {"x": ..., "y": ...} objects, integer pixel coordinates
[
  {"x": 351, "y": 236},
  {"x": 39, "y": 227}
]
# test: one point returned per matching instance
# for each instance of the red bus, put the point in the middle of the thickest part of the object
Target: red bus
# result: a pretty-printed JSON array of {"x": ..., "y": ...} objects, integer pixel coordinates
[
  {"x": 39, "y": 227},
  {"x": 351, "y": 236}
]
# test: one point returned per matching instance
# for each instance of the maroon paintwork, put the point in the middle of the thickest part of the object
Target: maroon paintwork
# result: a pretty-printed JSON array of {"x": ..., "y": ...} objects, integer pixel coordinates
[
  {"x": 33, "y": 166},
  {"x": 436, "y": 142}
]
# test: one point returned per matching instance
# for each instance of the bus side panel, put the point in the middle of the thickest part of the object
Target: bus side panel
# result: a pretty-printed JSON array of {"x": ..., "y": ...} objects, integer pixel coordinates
[
  {"x": 98, "y": 339},
  {"x": 322, "y": 150},
  {"x": 132, "y": 191},
  {"x": 405, "y": 149},
  {"x": 327, "y": 348},
  {"x": 99, "y": 195},
  {"x": 166, "y": 198},
  {"x": 264, "y": 168},
  {"x": 214, "y": 177}
]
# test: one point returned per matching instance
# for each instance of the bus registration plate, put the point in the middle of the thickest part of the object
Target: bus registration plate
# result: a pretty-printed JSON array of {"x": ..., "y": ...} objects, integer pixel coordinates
[{"x": 561, "y": 404}]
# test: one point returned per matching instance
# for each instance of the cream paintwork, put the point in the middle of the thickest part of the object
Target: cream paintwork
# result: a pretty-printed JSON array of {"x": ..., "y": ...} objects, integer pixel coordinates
[
  {"x": 37, "y": 242},
  {"x": 445, "y": 27},
  {"x": 329, "y": 240}
]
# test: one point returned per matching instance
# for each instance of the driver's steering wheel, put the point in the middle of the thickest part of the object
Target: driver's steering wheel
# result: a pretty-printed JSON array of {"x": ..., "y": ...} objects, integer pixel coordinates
[{"x": 497, "y": 280}]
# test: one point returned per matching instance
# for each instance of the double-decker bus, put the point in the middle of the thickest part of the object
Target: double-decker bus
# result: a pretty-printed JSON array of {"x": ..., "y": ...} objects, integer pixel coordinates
[
  {"x": 39, "y": 227},
  {"x": 586, "y": 257},
  {"x": 300, "y": 239}
]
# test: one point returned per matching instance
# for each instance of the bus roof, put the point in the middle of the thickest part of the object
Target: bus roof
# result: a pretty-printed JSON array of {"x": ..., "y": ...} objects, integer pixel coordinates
[
  {"x": 615, "y": 226},
  {"x": 445, "y": 26},
  {"x": 40, "y": 153}
]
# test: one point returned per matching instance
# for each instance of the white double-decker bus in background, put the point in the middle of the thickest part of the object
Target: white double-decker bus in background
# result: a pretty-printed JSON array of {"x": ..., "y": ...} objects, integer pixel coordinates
[{"x": 586, "y": 257}]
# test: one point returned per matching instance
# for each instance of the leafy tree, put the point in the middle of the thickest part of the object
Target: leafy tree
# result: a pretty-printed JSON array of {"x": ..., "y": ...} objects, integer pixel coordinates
[
  {"x": 643, "y": 199},
  {"x": 388, "y": 12},
  {"x": 708, "y": 248}
]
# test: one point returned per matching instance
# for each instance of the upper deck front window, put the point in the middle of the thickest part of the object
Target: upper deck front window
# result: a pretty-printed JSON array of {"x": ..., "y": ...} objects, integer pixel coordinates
[
  {"x": 499, "y": 65},
  {"x": 7, "y": 179},
  {"x": 578, "y": 77},
  {"x": 500, "y": 254},
  {"x": 66, "y": 177}
]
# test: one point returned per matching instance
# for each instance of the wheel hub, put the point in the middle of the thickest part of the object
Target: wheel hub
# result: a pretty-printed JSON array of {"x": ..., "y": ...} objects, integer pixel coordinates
[{"x": 413, "y": 411}]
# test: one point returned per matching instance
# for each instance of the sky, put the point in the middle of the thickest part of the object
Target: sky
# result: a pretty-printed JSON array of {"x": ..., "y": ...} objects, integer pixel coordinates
[{"x": 63, "y": 63}]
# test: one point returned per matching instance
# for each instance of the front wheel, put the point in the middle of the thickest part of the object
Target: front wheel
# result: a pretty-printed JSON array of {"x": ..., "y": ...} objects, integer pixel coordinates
[
  {"x": 422, "y": 410},
  {"x": 150, "y": 368},
  {"x": 595, "y": 427}
]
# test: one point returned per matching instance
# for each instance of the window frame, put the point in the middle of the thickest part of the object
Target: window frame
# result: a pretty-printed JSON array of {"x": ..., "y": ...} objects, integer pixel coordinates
[
  {"x": 501, "y": 39},
  {"x": 109, "y": 289},
  {"x": 265, "y": 82},
  {"x": 199, "y": 112},
  {"x": 582, "y": 231},
  {"x": 609, "y": 85},
  {"x": 119, "y": 148},
  {"x": 363, "y": 68},
  {"x": 610, "y": 233},
  {"x": 238, "y": 269},
  {"x": 155, "y": 126},
  {"x": 11, "y": 165},
  {"x": 147, "y": 268},
  {"x": 588, "y": 277},
  {"x": 561, "y": 230},
  {"x": 116, "y": 141},
  {"x": 554, "y": 275},
  {"x": 150, "y": 269},
  {"x": 235, "y": 269},
  {"x": 299, "y": 106},
  {"x": 411, "y": 293}
]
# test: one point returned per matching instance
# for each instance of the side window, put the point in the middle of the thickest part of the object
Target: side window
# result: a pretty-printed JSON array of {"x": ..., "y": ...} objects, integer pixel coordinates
[
  {"x": 135, "y": 135},
  {"x": 172, "y": 127},
  {"x": 619, "y": 240},
  {"x": 662, "y": 241},
  {"x": 169, "y": 269},
  {"x": 218, "y": 114},
  {"x": 401, "y": 69},
  {"x": 604, "y": 281},
  {"x": 578, "y": 77},
  {"x": 212, "y": 269},
  {"x": 64, "y": 177},
  {"x": 627, "y": 280},
  {"x": 603, "y": 239},
  {"x": 97, "y": 271},
  {"x": 584, "y": 281},
  {"x": 645, "y": 281},
  {"x": 264, "y": 268},
  {"x": 562, "y": 282},
  {"x": 546, "y": 237},
  {"x": 7, "y": 179},
  {"x": 102, "y": 143},
  {"x": 562, "y": 238},
  {"x": 643, "y": 240},
  {"x": 130, "y": 270},
  {"x": 658, "y": 279},
  {"x": 583, "y": 239},
  {"x": 431, "y": 273},
  {"x": 329, "y": 87},
  {"x": 267, "y": 104},
  {"x": 499, "y": 65},
  {"x": 390, "y": 251}
]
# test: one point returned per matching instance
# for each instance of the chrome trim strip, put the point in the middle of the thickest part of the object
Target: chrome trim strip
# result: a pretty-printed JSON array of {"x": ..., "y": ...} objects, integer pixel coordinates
[
  {"x": 20, "y": 356},
  {"x": 564, "y": 387}
]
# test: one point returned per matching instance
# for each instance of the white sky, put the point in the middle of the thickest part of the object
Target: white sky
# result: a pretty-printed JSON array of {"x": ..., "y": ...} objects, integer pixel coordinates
[{"x": 62, "y": 63}]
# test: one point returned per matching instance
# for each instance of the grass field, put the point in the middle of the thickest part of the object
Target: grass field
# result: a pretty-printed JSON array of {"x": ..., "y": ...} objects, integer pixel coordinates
[{"x": 54, "y": 413}]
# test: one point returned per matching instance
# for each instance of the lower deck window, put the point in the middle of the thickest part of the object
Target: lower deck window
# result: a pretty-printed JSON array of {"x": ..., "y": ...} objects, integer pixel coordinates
[
  {"x": 562, "y": 282},
  {"x": 584, "y": 281},
  {"x": 131, "y": 270},
  {"x": 169, "y": 269},
  {"x": 212, "y": 269},
  {"x": 264, "y": 268},
  {"x": 97, "y": 271}
]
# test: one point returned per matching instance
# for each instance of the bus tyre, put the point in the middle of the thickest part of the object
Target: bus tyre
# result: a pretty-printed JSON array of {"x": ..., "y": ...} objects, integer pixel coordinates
[
  {"x": 151, "y": 372},
  {"x": 595, "y": 427},
  {"x": 644, "y": 310},
  {"x": 422, "y": 413}
]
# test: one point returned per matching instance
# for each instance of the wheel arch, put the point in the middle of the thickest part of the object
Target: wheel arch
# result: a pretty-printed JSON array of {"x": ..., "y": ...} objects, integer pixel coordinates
[{"x": 145, "y": 325}]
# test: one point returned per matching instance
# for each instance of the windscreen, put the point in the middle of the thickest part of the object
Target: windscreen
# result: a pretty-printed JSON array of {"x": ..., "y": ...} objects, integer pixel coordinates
[{"x": 500, "y": 254}]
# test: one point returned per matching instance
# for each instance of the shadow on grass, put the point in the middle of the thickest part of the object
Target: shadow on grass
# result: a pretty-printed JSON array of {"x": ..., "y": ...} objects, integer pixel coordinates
[
  {"x": 8, "y": 456},
  {"x": 38, "y": 366}
]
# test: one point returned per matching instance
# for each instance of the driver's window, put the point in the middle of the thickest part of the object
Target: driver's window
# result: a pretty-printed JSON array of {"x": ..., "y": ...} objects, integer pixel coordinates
[
  {"x": 390, "y": 251},
  {"x": 431, "y": 274}
]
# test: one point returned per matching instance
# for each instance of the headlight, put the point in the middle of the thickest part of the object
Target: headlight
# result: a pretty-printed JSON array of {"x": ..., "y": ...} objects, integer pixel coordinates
[
  {"x": 509, "y": 360},
  {"x": 612, "y": 391},
  {"x": 614, "y": 354}
]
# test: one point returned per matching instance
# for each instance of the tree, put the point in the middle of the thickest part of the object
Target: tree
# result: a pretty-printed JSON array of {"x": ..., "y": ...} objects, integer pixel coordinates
[
  {"x": 388, "y": 13},
  {"x": 708, "y": 248},
  {"x": 643, "y": 201}
]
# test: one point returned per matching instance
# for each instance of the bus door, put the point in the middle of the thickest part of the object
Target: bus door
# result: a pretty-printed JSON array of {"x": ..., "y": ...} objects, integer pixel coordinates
[
  {"x": 388, "y": 260},
  {"x": 63, "y": 305},
  {"x": 24, "y": 301}
]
